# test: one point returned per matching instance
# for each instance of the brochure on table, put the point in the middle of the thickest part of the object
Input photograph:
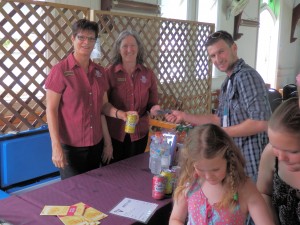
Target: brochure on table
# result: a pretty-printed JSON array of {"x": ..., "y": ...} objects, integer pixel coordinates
[{"x": 135, "y": 209}]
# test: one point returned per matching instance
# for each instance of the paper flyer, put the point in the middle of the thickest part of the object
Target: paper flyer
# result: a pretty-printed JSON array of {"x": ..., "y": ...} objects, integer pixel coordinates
[
  {"x": 78, "y": 214},
  {"x": 57, "y": 210},
  {"x": 135, "y": 209}
]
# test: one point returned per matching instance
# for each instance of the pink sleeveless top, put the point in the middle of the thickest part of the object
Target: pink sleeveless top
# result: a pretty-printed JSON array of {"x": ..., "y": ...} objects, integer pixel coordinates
[{"x": 202, "y": 213}]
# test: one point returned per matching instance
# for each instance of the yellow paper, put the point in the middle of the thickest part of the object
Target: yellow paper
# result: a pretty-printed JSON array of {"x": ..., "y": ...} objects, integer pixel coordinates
[
  {"x": 73, "y": 220},
  {"x": 53, "y": 210},
  {"x": 91, "y": 213},
  {"x": 78, "y": 214},
  {"x": 77, "y": 220}
]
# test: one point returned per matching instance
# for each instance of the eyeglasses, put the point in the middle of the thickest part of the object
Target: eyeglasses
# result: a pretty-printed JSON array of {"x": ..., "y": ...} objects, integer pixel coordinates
[{"x": 83, "y": 38}]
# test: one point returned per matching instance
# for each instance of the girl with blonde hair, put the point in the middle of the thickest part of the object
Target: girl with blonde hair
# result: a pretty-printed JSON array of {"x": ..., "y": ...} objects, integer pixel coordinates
[{"x": 213, "y": 187}]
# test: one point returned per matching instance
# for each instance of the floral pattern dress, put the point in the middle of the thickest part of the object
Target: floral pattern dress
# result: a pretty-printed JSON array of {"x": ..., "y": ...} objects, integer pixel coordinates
[{"x": 202, "y": 213}]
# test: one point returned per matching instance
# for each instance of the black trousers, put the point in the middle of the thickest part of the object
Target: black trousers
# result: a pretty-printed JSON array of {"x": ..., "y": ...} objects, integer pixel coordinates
[
  {"x": 126, "y": 149},
  {"x": 81, "y": 159}
]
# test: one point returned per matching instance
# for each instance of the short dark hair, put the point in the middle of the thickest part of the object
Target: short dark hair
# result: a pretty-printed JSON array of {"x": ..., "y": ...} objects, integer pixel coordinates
[
  {"x": 219, "y": 35},
  {"x": 84, "y": 24}
]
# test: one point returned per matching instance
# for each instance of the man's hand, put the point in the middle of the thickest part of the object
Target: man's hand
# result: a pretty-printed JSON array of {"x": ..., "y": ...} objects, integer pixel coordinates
[{"x": 175, "y": 116}]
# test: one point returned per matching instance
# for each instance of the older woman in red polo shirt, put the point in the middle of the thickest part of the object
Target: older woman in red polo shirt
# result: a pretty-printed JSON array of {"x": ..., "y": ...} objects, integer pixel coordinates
[
  {"x": 76, "y": 97},
  {"x": 132, "y": 87}
]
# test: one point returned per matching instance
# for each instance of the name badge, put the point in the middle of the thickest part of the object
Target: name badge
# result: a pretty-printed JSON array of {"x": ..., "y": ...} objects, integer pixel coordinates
[
  {"x": 68, "y": 73},
  {"x": 121, "y": 79},
  {"x": 98, "y": 74},
  {"x": 144, "y": 79},
  {"x": 225, "y": 117}
]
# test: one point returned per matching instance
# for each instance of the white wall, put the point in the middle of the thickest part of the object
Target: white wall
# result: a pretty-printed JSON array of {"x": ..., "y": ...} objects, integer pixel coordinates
[
  {"x": 247, "y": 43},
  {"x": 288, "y": 53}
]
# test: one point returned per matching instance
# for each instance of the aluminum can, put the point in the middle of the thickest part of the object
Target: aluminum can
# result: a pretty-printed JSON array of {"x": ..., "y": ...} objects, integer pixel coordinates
[
  {"x": 158, "y": 187},
  {"x": 170, "y": 179},
  {"x": 176, "y": 170},
  {"x": 130, "y": 123}
]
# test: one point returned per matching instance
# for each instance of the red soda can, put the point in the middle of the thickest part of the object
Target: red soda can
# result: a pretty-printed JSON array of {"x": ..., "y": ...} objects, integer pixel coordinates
[{"x": 158, "y": 187}]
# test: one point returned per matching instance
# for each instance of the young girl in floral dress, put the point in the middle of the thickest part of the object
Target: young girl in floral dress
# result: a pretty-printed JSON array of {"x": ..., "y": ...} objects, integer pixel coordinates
[{"x": 213, "y": 188}]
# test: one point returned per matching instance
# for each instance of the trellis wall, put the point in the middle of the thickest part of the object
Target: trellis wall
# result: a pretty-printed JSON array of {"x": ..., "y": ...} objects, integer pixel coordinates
[
  {"x": 33, "y": 36},
  {"x": 36, "y": 35}
]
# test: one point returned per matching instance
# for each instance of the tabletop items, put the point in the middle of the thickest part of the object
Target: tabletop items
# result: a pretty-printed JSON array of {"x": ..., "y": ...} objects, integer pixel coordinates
[
  {"x": 130, "y": 123},
  {"x": 135, "y": 209},
  {"x": 182, "y": 131},
  {"x": 165, "y": 146},
  {"x": 161, "y": 152},
  {"x": 102, "y": 189},
  {"x": 163, "y": 159},
  {"x": 78, "y": 214}
]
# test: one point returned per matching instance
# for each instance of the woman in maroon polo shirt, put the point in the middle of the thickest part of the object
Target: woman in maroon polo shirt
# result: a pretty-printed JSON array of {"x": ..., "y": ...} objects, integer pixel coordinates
[
  {"x": 132, "y": 87},
  {"x": 76, "y": 97}
]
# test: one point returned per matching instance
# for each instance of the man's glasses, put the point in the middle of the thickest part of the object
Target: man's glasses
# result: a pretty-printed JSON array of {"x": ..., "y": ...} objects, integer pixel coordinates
[
  {"x": 83, "y": 38},
  {"x": 219, "y": 34}
]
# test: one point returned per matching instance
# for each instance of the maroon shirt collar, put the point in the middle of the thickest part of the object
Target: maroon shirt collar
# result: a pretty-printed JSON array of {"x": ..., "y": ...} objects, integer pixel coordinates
[
  {"x": 120, "y": 67},
  {"x": 73, "y": 63}
]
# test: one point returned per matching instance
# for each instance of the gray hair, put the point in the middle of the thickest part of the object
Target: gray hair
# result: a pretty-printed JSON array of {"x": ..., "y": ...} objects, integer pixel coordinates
[{"x": 116, "y": 59}]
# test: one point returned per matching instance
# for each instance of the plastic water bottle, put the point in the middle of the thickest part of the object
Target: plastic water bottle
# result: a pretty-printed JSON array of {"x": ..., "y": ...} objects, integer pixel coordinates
[
  {"x": 166, "y": 155},
  {"x": 155, "y": 155},
  {"x": 153, "y": 147},
  {"x": 156, "y": 164}
]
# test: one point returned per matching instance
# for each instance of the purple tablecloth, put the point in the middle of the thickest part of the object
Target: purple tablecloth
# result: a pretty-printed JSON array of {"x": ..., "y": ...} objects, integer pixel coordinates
[{"x": 102, "y": 189}]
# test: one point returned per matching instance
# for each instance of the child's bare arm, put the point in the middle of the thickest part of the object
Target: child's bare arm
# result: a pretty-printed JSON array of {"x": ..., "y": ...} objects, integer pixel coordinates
[{"x": 179, "y": 212}]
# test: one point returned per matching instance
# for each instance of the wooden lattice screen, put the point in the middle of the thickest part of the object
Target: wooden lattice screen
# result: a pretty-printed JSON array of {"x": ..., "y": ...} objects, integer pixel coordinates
[
  {"x": 33, "y": 36},
  {"x": 36, "y": 35},
  {"x": 175, "y": 51}
]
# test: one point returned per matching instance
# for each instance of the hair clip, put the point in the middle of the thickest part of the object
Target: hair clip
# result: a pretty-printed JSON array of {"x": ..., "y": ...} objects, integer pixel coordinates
[{"x": 235, "y": 196}]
